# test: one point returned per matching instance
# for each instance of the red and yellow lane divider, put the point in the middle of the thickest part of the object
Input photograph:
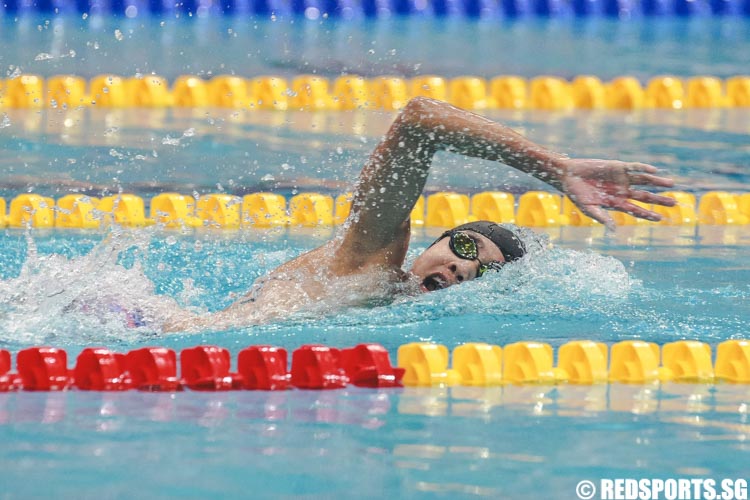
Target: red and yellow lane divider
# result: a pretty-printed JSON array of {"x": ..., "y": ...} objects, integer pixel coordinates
[
  {"x": 368, "y": 365},
  {"x": 347, "y": 92},
  {"x": 444, "y": 209}
]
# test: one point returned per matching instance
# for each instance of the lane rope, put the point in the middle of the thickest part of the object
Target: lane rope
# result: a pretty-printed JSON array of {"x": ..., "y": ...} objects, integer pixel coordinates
[
  {"x": 314, "y": 366},
  {"x": 264, "y": 210},
  {"x": 349, "y": 92},
  {"x": 315, "y": 10}
]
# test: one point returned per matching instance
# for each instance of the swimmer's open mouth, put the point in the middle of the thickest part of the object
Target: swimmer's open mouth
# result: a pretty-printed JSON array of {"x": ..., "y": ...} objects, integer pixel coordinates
[{"x": 435, "y": 281}]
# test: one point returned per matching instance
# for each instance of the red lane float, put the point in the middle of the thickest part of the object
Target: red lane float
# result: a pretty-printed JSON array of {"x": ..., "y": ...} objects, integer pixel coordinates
[
  {"x": 43, "y": 369},
  {"x": 4, "y": 362},
  {"x": 263, "y": 368},
  {"x": 8, "y": 381},
  {"x": 318, "y": 367},
  {"x": 99, "y": 369},
  {"x": 202, "y": 368},
  {"x": 206, "y": 368},
  {"x": 153, "y": 369},
  {"x": 368, "y": 365}
]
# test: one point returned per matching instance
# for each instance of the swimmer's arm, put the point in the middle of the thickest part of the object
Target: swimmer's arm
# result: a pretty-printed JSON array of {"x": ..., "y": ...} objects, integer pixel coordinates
[
  {"x": 396, "y": 172},
  {"x": 187, "y": 321},
  {"x": 190, "y": 322},
  {"x": 273, "y": 300}
]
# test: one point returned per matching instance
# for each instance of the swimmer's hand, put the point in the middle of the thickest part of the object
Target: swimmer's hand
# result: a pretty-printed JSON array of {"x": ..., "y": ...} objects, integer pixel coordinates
[{"x": 596, "y": 185}]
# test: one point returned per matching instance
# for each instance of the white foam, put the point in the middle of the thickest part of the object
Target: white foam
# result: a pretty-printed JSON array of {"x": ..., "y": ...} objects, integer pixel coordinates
[{"x": 89, "y": 298}]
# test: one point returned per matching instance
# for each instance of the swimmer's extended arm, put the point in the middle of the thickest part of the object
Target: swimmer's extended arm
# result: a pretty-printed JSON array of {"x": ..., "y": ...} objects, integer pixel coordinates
[{"x": 395, "y": 173}]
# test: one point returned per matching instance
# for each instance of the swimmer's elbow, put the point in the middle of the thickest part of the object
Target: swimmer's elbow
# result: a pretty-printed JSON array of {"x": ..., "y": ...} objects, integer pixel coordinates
[
  {"x": 421, "y": 103},
  {"x": 416, "y": 127},
  {"x": 424, "y": 114},
  {"x": 419, "y": 108}
]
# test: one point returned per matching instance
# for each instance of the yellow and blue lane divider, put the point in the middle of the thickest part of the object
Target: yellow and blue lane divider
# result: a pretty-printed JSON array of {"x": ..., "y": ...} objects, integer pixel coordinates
[
  {"x": 262, "y": 210},
  {"x": 349, "y": 92},
  {"x": 419, "y": 364}
]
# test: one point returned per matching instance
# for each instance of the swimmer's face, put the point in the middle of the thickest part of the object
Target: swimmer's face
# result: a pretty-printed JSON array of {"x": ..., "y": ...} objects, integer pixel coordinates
[{"x": 439, "y": 267}]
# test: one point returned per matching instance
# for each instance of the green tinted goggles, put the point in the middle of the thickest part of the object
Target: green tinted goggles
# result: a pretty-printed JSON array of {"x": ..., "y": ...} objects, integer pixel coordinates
[{"x": 465, "y": 246}]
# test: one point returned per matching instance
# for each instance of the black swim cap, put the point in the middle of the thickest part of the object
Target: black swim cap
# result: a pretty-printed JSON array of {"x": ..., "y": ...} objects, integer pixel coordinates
[{"x": 506, "y": 240}]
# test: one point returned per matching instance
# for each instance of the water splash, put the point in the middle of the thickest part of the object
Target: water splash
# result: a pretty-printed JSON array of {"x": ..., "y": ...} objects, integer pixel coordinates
[
  {"x": 552, "y": 294},
  {"x": 98, "y": 298},
  {"x": 83, "y": 299},
  {"x": 550, "y": 285},
  {"x": 554, "y": 281}
]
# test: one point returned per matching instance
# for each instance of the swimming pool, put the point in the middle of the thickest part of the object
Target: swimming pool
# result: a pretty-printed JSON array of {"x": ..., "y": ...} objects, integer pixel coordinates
[
  {"x": 656, "y": 283},
  {"x": 512, "y": 441}
]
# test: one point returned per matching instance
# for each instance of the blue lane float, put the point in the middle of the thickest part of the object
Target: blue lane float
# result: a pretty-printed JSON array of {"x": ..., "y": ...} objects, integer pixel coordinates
[
  {"x": 374, "y": 9},
  {"x": 621, "y": 9}
]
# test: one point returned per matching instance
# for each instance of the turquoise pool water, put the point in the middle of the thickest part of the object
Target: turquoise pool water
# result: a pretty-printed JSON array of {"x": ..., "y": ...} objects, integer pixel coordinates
[
  {"x": 510, "y": 442},
  {"x": 463, "y": 443},
  {"x": 658, "y": 284}
]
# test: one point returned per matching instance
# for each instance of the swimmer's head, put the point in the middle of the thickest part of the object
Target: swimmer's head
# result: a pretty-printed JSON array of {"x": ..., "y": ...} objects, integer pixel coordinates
[{"x": 465, "y": 253}]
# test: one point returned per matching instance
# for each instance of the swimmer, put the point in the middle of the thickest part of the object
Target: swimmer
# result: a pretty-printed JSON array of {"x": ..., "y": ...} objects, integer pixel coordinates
[{"x": 374, "y": 240}]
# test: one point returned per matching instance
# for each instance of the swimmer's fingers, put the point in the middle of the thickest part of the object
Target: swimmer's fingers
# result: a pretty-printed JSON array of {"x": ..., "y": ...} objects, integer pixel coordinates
[
  {"x": 640, "y": 167},
  {"x": 636, "y": 211},
  {"x": 650, "y": 180},
  {"x": 599, "y": 214},
  {"x": 656, "y": 199}
]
